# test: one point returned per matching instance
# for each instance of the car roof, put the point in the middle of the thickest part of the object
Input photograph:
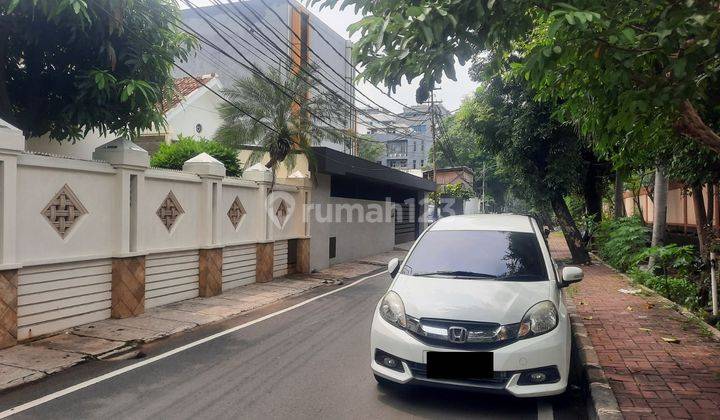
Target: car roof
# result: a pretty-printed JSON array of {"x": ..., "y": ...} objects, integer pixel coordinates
[{"x": 499, "y": 222}]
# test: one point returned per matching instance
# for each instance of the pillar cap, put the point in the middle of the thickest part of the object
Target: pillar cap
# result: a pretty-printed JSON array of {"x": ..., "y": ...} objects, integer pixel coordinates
[
  {"x": 122, "y": 152},
  {"x": 204, "y": 165},
  {"x": 11, "y": 138},
  {"x": 259, "y": 173}
]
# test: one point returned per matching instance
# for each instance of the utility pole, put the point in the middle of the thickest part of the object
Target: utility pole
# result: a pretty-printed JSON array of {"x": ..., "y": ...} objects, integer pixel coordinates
[
  {"x": 483, "y": 188},
  {"x": 434, "y": 149}
]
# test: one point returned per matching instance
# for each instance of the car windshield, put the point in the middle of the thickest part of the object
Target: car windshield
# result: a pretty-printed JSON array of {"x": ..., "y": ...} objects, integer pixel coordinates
[{"x": 481, "y": 254}]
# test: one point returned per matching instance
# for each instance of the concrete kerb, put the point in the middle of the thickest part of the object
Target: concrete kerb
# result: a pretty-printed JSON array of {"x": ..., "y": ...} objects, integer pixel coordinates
[{"x": 602, "y": 403}]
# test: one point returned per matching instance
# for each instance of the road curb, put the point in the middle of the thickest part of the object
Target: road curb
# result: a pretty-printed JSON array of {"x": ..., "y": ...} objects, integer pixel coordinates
[{"x": 602, "y": 403}]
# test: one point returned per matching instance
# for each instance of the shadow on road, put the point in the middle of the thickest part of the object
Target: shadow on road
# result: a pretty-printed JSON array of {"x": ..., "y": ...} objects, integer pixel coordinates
[{"x": 447, "y": 403}]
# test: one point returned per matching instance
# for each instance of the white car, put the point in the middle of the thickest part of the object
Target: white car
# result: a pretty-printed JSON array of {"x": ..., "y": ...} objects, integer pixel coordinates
[{"x": 477, "y": 304}]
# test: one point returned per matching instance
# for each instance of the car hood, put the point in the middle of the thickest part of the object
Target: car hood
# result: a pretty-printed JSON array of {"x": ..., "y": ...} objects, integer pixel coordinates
[{"x": 504, "y": 302}]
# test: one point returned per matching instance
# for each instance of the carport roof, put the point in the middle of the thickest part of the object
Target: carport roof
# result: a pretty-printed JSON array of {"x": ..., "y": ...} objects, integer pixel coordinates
[{"x": 332, "y": 162}]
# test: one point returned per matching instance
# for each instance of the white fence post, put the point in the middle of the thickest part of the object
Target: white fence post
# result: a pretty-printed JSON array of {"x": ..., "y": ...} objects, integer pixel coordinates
[
  {"x": 128, "y": 266},
  {"x": 211, "y": 171},
  {"x": 12, "y": 143}
]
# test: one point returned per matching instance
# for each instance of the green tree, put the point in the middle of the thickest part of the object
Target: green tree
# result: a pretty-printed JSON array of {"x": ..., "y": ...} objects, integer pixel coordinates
[
  {"x": 173, "y": 155},
  {"x": 71, "y": 66},
  {"x": 370, "y": 150},
  {"x": 628, "y": 72},
  {"x": 538, "y": 156},
  {"x": 277, "y": 113},
  {"x": 459, "y": 146}
]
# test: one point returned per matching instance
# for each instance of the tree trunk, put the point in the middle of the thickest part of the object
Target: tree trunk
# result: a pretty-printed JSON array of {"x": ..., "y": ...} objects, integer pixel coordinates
[
  {"x": 619, "y": 201},
  {"x": 691, "y": 124},
  {"x": 659, "y": 212},
  {"x": 700, "y": 220},
  {"x": 570, "y": 230},
  {"x": 592, "y": 193},
  {"x": 711, "y": 204}
]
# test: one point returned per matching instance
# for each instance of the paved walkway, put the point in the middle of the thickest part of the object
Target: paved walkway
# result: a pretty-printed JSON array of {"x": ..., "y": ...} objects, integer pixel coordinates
[
  {"x": 651, "y": 377},
  {"x": 114, "y": 337}
]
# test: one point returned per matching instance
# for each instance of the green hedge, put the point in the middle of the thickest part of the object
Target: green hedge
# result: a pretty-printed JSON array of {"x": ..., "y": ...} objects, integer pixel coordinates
[{"x": 172, "y": 156}]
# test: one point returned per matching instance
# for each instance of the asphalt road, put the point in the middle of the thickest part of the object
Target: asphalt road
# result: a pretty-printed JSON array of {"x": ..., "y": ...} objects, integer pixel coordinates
[{"x": 308, "y": 362}]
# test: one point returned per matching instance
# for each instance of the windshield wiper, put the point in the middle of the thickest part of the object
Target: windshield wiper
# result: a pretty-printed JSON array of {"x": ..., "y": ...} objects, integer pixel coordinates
[
  {"x": 456, "y": 273},
  {"x": 520, "y": 277}
]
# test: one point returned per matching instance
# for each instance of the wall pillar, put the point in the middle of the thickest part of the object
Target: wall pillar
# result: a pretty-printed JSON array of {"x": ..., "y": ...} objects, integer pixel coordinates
[
  {"x": 302, "y": 265},
  {"x": 12, "y": 143},
  {"x": 128, "y": 287},
  {"x": 211, "y": 272},
  {"x": 264, "y": 262},
  {"x": 128, "y": 265}
]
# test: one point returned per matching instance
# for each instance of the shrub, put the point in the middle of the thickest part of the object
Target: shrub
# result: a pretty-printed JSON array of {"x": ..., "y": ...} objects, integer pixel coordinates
[
  {"x": 621, "y": 241},
  {"x": 679, "y": 290},
  {"x": 172, "y": 156},
  {"x": 672, "y": 259}
]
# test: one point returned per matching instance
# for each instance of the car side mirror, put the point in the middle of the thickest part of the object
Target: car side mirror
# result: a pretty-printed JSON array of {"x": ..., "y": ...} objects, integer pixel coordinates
[
  {"x": 571, "y": 275},
  {"x": 393, "y": 266}
]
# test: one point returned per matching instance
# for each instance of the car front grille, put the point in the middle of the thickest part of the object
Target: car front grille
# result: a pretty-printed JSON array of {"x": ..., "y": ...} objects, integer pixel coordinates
[{"x": 480, "y": 335}]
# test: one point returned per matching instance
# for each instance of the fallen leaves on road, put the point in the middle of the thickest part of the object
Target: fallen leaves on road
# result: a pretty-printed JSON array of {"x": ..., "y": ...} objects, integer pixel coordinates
[
  {"x": 670, "y": 340},
  {"x": 649, "y": 305},
  {"x": 645, "y": 329},
  {"x": 587, "y": 317},
  {"x": 629, "y": 308}
]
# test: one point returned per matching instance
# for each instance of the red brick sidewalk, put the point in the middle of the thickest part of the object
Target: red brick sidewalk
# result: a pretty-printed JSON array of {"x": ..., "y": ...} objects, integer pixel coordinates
[{"x": 650, "y": 377}]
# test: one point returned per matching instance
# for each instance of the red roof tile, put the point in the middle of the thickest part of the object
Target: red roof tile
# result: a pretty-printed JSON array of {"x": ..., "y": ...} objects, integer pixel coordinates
[{"x": 184, "y": 86}]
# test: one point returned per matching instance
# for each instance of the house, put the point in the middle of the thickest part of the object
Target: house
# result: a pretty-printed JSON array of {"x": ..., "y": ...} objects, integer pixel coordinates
[
  {"x": 192, "y": 111},
  {"x": 407, "y": 136},
  {"x": 452, "y": 176},
  {"x": 680, "y": 207}
]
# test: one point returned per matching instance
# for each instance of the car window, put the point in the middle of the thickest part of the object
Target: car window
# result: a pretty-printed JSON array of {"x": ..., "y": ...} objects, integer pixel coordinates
[{"x": 481, "y": 254}]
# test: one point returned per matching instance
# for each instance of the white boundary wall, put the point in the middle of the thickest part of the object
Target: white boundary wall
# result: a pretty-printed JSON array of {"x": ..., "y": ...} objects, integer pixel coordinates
[{"x": 63, "y": 245}]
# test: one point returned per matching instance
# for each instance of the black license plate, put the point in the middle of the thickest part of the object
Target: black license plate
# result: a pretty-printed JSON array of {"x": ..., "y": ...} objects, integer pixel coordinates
[{"x": 459, "y": 365}]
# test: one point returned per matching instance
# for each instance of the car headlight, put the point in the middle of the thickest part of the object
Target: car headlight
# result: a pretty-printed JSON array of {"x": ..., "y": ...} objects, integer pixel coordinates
[
  {"x": 539, "y": 319},
  {"x": 392, "y": 309}
]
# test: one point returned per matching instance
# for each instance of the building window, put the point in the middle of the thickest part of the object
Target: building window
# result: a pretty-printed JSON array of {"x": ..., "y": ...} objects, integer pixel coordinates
[
  {"x": 332, "y": 247},
  {"x": 414, "y": 146},
  {"x": 422, "y": 162},
  {"x": 414, "y": 163},
  {"x": 420, "y": 128}
]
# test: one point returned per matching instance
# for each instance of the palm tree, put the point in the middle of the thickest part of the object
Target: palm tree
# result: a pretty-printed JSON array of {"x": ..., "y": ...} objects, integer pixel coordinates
[{"x": 278, "y": 116}]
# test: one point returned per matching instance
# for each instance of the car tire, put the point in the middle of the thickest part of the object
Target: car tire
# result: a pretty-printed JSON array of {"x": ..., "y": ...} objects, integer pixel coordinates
[{"x": 382, "y": 382}]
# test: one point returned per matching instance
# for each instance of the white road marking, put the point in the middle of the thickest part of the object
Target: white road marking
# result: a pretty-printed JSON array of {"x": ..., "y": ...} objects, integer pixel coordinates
[
  {"x": 545, "y": 410},
  {"x": 42, "y": 400}
]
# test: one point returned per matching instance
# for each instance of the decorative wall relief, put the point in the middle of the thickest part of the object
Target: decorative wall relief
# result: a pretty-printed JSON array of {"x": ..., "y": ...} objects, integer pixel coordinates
[
  {"x": 236, "y": 212},
  {"x": 64, "y": 210},
  {"x": 169, "y": 211},
  {"x": 281, "y": 212}
]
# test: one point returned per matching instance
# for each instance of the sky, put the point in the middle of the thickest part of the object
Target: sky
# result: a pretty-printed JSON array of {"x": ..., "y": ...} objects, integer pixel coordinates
[{"x": 451, "y": 92}]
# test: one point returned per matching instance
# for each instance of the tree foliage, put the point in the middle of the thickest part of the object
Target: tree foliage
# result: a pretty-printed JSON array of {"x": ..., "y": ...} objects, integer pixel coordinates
[
  {"x": 71, "y": 66},
  {"x": 174, "y": 155},
  {"x": 628, "y": 72},
  {"x": 370, "y": 150}
]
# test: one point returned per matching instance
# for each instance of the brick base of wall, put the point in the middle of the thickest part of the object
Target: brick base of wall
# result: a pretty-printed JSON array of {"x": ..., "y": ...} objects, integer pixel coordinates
[
  {"x": 8, "y": 308},
  {"x": 128, "y": 287},
  {"x": 211, "y": 272},
  {"x": 303, "y": 256},
  {"x": 264, "y": 262}
]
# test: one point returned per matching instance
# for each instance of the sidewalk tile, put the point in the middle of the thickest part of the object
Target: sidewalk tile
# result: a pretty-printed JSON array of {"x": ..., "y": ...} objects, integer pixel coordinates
[
  {"x": 78, "y": 344},
  {"x": 648, "y": 375},
  {"x": 11, "y": 376},
  {"x": 39, "y": 358}
]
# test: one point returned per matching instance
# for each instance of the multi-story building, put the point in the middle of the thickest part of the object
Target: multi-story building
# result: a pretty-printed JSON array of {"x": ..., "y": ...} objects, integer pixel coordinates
[
  {"x": 272, "y": 34},
  {"x": 407, "y": 136}
]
